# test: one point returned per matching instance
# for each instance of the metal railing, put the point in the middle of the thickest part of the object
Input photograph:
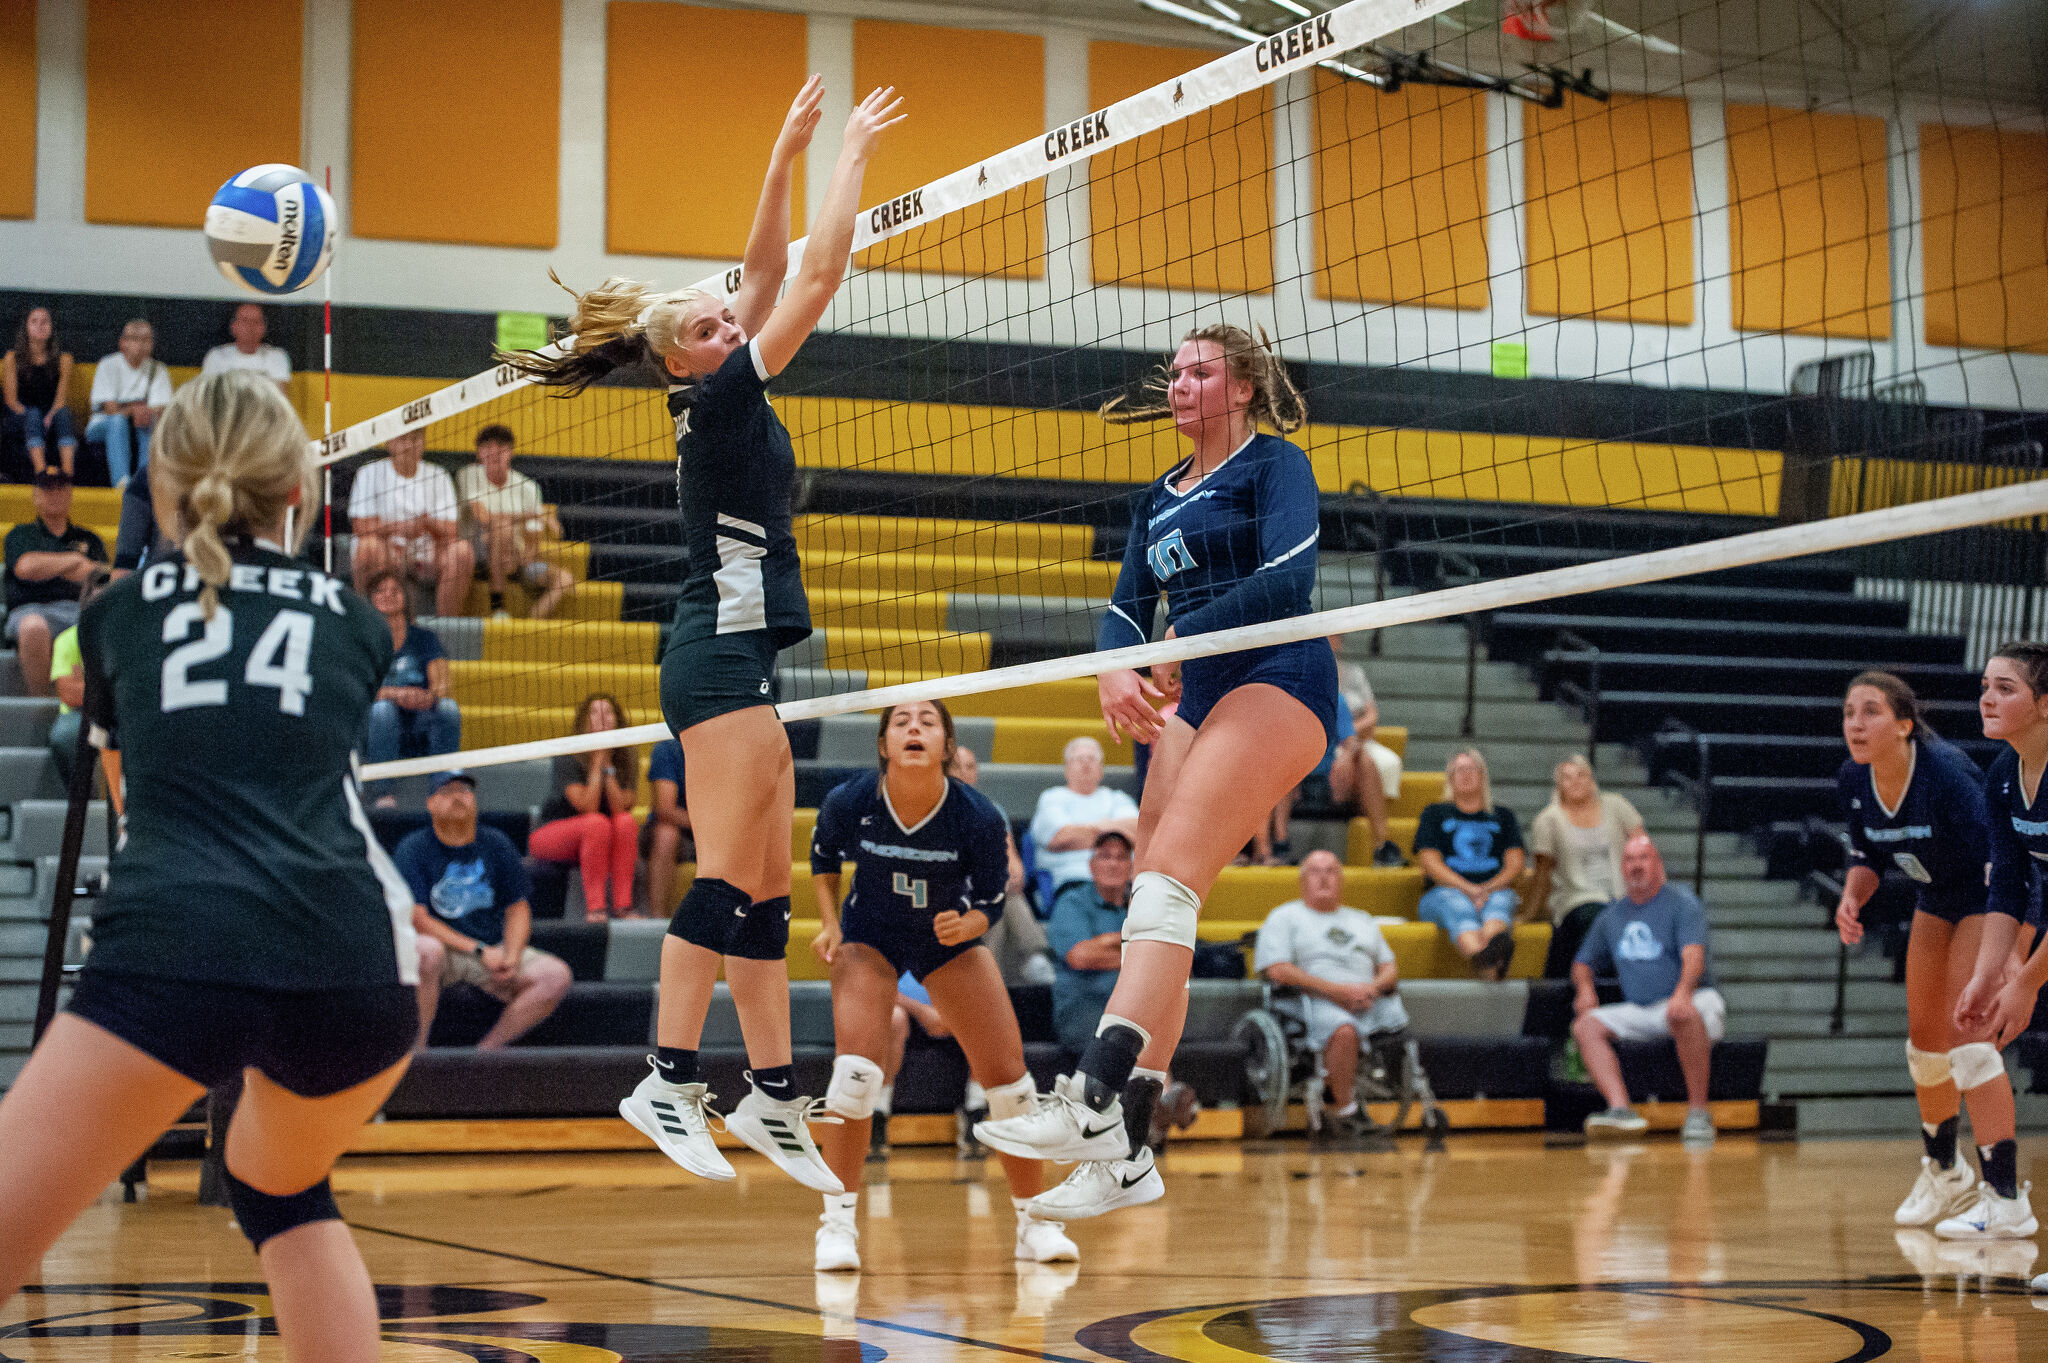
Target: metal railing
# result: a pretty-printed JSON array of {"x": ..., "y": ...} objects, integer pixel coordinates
[
  {"x": 1827, "y": 890},
  {"x": 1698, "y": 787},
  {"x": 1570, "y": 647}
]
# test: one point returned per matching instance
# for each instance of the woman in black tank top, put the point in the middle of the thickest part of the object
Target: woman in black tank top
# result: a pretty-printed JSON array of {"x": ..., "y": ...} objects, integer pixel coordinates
[{"x": 35, "y": 375}]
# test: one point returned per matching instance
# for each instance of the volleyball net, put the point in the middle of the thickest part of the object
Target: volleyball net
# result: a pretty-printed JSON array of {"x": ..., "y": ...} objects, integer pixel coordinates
[{"x": 1565, "y": 316}]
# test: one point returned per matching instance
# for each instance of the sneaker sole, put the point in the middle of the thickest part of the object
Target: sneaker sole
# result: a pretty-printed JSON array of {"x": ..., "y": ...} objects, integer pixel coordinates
[
  {"x": 1614, "y": 1133},
  {"x": 718, "y": 1173},
  {"x": 1963, "y": 1237},
  {"x": 1070, "y": 1255},
  {"x": 1955, "y": 1207},
  {"x": 820, "y": 1266},
  {"x": 1147, "y": 1190},
  {"x": 1111, "y": 1145},
  {"x": 750, "y": 1134}
]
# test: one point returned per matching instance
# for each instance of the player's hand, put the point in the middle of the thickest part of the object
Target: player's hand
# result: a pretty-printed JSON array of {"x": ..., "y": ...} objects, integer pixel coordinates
[
  {"x": 2011, "y": 1013},
  {"x": 1124, "y": 706},
  {"x": 1166, "y": 676},
  {"x": 802, "y": 120},
  {"x": 869, "y": 119},
  {"x": 1977, "y": 1003},
  {"x": 952, "y": 928},
  {"x": 826, "y": 943},
  {"x": 1849, "y": 922}
]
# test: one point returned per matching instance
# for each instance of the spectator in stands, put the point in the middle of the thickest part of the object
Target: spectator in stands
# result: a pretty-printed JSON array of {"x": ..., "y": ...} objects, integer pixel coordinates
[
  {"x": 1364, "y": 772},
  {"x": 1471, "y": 851},
  {"x": 1086, "y": 934},
  {"x": 402, "y": 513},
  {"x": 1070, "y": 818},
  {"x": 1017, "y": 939},
  {"x": 470, "y": 910},
  {"x": 1577, "y": 842},
  {"x": 413, "y": 715},
  {"x": 249, "y": 326},
  {"x": 666, "y": 840},
  {"x": 35, "y": 378},
  {"x": 48, "y": 560},
  {"x": 507, "y": 523},
  {"x": 67, "y": 675},
  {"x": 130, "y": 390},
  {"x": 1654, "y": 937},
  {"x": 1339, "y": 961},
  {"x": 588, "y": 818}
]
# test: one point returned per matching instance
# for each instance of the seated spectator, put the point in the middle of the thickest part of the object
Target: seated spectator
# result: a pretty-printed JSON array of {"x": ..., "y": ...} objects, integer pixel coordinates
[
  {"x": 666, "y": 841},
  {"x": 402, "y": 513},
  {"x": 1357, "y": 773},
  {"x": 1071, "y": 817},
  {"x": 470, "y": 910},
  {"x": 67, "y": 675},
  {"x": 1019, "y": 946},
  {"x": 1471, "y": 851},
  {"x": 249, "y": 326},
  {"x": 413, "y": 715},
  {"x": 1086, "y": 934},
  {"x": 1339, "y": 960},
  {"x": 1577, "y": 842},
  {"x": 48, "y": 560},
  {"x": 588, "y": 818},
  {"x": 1655, "y": 938},
  {"x": 507, "y": 523},
  {"x": 130, "y": 390},
  {"x": 35, "y": 377}
]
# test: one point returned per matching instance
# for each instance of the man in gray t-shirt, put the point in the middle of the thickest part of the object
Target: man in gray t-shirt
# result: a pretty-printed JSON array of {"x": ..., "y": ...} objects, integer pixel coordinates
[{"x": 1655, "y": 939}]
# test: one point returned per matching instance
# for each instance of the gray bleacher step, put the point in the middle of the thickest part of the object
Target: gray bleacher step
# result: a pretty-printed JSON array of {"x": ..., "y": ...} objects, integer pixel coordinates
[
  {"x": 17, "y": 878},
  {"x": 1865, "y": 1080},
  {"x": 1892, "y": 1117},
  {"x": 10, "y": 674},
  {"x": 15, "y": 1036},
  {"x": 17, "y": 1005},
  {"x": 1809, "y": 942},
  {"x": 1063, "y": 624},
  {"x": 1856, "y": 1052},
  {"x": 1863, "y": 996},
  {"x": 10, "y": 1066},
  {"x": 1395, "y": 679},
  {"x": 1678, "y": 859},
  {"x": 20, "y": 969},
  {"x": 1787, "y": 915},
  {"x": 27, "y": 773},
  {"x": 39, "y": 829},
  {"x": 1432, "y": 640},
  {"x": 25, "y": 722},
  {"x": 22, "y": 939},
  {"x": 1505, "y": 721},
  {"x": 1752, "y": 893},
  {"x": 1813, "y": 1023},
  {"x": 1762, "y": 969}
]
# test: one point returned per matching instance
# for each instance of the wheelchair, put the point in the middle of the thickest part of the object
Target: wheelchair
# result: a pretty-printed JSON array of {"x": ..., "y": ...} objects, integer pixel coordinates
[{"x": 1282, "y": 1067}]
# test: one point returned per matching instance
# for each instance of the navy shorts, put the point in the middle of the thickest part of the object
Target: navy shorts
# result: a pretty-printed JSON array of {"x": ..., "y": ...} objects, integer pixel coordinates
[
  {"x": 903, "y": 946},
  {"x": 311, "y": 1042},
  {"x": 1950, "y": 909},
  {"x": 1306, "y": 671},
  {"x": 704, "y": 678}
]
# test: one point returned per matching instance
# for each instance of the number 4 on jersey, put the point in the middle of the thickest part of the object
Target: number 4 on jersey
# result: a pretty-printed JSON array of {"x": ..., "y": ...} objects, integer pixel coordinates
[
  {"x": 913, "y": 890},
  {"x": 279, "y": 659}
]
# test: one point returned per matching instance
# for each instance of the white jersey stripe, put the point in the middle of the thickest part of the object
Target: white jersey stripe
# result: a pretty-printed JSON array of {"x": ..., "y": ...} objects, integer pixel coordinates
[
  {"x": 397, "y": 894},
  {"x": 1274, "y": 563}
]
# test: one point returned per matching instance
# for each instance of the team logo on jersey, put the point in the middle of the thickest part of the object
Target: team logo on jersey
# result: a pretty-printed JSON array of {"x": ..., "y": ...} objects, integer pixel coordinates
[
  {"x": 1910, "y": 864},
  {"x": 1638, "y": 943},
  {"x": 1169, "y": 556}
]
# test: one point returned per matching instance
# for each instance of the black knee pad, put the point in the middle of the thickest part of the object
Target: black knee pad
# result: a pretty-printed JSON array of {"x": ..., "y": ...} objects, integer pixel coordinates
[
  {"x": 710, "y": 914},
  {"x": 763, "y": 935},
  {"x": 261, "y": 1216}
]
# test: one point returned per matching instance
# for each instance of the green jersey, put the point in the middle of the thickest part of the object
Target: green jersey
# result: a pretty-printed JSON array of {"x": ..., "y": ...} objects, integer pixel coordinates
[{"x": 247, "y": 858}]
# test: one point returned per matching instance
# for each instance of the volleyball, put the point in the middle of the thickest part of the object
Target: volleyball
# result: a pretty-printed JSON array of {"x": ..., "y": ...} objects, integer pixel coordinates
[{"x": 271, "y": 229}]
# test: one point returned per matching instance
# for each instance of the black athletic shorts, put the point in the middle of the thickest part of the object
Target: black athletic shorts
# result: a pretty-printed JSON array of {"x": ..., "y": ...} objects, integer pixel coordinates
[
  {"x": 905, "y": 947},
  {"x": 311, "y": 1042},
  {"x": 704, "y": 678}
]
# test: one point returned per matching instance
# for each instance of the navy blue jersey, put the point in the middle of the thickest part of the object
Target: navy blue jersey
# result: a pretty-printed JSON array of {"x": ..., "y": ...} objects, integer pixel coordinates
[
  {"x": 1936, "y": 836},
  {"x": 2019, "y": 839},
  {"x": 1237, "y": 548},
  {"x": 957, "y": 857}
]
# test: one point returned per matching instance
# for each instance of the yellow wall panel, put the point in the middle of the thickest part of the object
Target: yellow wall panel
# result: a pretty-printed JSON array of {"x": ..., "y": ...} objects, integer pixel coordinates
[
  {"x": 669, "y": 193},
  {"x": 1189, "y": 206},
  {"x": 1400, "y": 194},
  {"x": 1984, "y": 198},
  {"x": 169, "y": 86},
  {"x": 18, "y": 109},
  {"x": 456, "y": 121},
  {"x": 967, "y": 94},
  {"x": 1610, "y": 210},
  {"x": 1809, "y": 222}
]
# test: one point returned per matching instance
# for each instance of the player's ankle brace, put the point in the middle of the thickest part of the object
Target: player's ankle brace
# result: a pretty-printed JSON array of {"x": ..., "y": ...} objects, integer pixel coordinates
[
  {"x": 1107, "y": 1063},
  {"x": 2000, "y": 1162},
  {"x": 708, "y": 913},
  {"x": 261, "y": 1216},
  {"x": 1940, "y": 1143},
  {"x": 1141, "y": 1096}
]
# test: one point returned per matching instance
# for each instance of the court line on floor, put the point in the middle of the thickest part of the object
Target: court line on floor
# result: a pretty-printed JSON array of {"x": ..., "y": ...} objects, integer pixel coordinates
[{"x": 667, "y": 1286}]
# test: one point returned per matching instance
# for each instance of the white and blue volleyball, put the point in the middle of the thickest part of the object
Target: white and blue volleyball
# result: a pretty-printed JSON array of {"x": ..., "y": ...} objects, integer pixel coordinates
[{"x": 271, "y": 229}]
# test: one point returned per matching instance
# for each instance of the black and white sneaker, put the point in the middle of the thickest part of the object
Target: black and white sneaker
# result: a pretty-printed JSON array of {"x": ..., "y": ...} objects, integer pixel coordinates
[
  {"x": 1100, "y": 1186},
  {"x": 1059, "y": 1127},
  {"x": 780, "y": 1129},
  {"x": 677, "y": 1118}
]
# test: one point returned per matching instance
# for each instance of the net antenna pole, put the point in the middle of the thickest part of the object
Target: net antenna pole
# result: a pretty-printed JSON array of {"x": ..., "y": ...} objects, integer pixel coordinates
[
  {"x": 84, "y": 763},
  {"x": 326, "y": 403}
]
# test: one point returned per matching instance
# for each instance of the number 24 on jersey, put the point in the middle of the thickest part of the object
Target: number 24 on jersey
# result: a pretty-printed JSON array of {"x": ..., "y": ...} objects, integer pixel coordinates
[{"x": 278, "y": 661}]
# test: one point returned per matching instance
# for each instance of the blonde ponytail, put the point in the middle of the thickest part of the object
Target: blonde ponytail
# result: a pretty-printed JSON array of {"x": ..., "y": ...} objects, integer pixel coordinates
[
  {"x": 1275, "y": 399},
  {"x": 619, "y": 323}
]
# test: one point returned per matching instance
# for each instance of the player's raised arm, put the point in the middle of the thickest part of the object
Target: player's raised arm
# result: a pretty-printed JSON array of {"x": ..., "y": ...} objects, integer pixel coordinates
[{"x": 768, "y": 239}]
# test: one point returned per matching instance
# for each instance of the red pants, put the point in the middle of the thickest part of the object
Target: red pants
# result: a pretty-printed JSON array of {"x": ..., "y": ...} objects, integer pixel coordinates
[{"x": 604, "y": 845}]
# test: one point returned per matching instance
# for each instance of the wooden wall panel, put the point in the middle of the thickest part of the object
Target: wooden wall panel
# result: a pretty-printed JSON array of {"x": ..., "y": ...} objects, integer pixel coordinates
[
  {"x": 1189, "y": 206},
  {"x": 18, "y": 109},
  {"x": 456, "y": 121},
  {"x": 671, "y": 194},
  {"x": 967, "y": 93},
  {"x": 1610, "y": 210},
  {"x": 179, "y": 96},
  {"x": 1400, "y": 194},
  {"x": 1809, "y": 222},
  {"x": 1984, "y": 227}
]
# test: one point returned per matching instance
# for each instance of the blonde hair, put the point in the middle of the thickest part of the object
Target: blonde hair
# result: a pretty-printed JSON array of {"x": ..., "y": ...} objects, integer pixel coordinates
[
  {"x": 619, "y": 323},
  {"x": 1485, "y": 780},
  {"x": 230, "y": 451},
  {"x": 1275, "y": 400}
]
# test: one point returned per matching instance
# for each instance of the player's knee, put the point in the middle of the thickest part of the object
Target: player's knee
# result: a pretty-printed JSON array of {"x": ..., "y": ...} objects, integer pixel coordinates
[
  {"x": 708, "y": 912},
  {"x": 899, "y": 1023},
  {"x": 1930, "y": 1069},
  {"x": 1975, "y": 1065},
  {"x": 1013, "y": 1099},
  {"x": 855, "y": 1088},
  {"x": 263, "y": 1215},
  {"x": 1162, "y": 910}
]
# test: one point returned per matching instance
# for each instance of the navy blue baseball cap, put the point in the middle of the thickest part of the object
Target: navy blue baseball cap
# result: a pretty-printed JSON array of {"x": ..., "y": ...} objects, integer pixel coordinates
[{"x": 458, "y": 774}]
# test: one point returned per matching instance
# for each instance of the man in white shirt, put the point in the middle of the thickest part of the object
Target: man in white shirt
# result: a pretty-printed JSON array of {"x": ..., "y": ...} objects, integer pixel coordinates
[
  {"x": 402, "y": 512},
  {"x": 506, "y": 521},
  {"x": 130, "y": 390},
  {"x": 1071, "y": 817},
  {"x": 1339, "y": 960},
  {"x": 249, "y": 326}
]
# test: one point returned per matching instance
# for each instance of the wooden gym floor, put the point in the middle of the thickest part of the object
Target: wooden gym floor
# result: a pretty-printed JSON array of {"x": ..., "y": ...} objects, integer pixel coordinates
[{"x": 1498, "y": 1250}]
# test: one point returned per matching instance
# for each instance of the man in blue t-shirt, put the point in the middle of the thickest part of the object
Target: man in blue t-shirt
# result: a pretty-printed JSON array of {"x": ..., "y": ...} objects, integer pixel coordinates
[
  {"x": 1655, "y": 939},
  {"x": 665, "y": 839},
  {"x": 1086, "y": 934},
  {"x": 469, "y": 908}
]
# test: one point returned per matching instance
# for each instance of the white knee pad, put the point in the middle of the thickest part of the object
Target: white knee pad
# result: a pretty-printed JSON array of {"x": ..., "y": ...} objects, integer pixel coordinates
[
  {"x": 855, "y": 1088},
  {"x": 1162, "y": 910},
  {"x": 1012, "y": 1100},
  {"x": 1975, "y": 1064},
  {"x": 1930, "y": 1069}
]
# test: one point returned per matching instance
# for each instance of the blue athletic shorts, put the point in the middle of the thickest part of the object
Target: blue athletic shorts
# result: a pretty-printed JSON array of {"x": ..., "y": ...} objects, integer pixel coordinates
[
  {"x": 1306, "y": 671},
  {"x": 910, "y": 949}
]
